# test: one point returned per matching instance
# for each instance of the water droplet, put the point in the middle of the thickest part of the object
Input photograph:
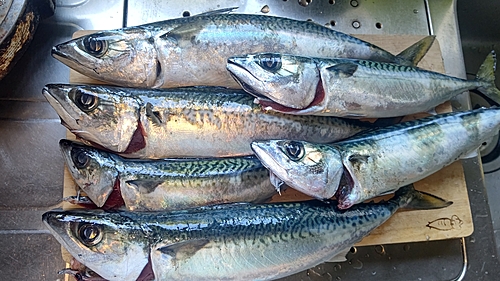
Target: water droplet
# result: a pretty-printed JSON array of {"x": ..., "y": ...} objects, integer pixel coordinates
[
  {"x": 380, "y": 250},
  {"x": 353, "y": 250},
  {"x": 394, "y": 268},
  {"x": 419, "y": 279},
  {"x": 486, "y": 272},
  {"x": 374, "y": 273},
  {"x": 337, "y": 267},
  {"x": 415, "y": 11},
  {"x": 367, "y": 255},
  {"x": 427, "y": 237},
  {"x": 356, "y": 264},
  {"x": 305, "y": 3},
  {"x": 406, "y": 247},
  {"x": 265, "y": 9},
  {"x": 389, "y": 257},
  {"x": 472, "y": 239},
  {"x": 338, "y": 278}
]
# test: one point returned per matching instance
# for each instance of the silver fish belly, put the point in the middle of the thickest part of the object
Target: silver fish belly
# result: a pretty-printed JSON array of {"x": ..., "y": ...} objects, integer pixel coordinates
[
  {"x": 225, "y": 242},
  {"x": 168, "y": 184},
  {"x": 193, "y": 51},
  {"x": 189, "y": 122}
]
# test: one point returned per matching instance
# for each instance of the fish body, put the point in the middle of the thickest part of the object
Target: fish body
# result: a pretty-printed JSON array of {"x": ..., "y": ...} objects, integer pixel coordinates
[
  {"x": 224, "y": 242},
  {"x": 167, "y": 184},
  {"x": 193, "y": 50},
  {"x": 378, "y": 161},
  {"x": 351, "y": 88},
  {"x": 185, "y": 122}
]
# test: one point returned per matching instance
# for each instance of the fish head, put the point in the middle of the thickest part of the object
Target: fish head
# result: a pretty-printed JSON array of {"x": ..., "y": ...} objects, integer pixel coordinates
[
  {"x": 125, "y": 58},
  {"x": 289, "y": 81},
  {"x": 104, "y": 116},
  {"x": 312, "y": 169},
  {"x": 111, "y": 245},
  {"x": 93, "y": 170}
]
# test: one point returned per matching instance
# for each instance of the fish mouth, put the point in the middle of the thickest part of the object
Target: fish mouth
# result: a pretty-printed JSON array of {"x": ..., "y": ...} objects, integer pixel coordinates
[
  {"x": 346, "y": 189},
  {"x": 58, "y": 53},
  {"x": 237, "y": 70},
  {"x": 261, "y": 151},
  {"x": 66, "y": 119},
  {"x": 265, "y": 102}
]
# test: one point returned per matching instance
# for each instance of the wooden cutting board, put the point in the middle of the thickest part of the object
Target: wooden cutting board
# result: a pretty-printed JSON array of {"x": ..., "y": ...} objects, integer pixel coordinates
[{"x": 405, "y": 226}]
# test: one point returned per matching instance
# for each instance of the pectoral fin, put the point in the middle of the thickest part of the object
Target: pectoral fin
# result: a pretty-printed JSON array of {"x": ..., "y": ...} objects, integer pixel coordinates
[
  {"x": 341, "y": 256},
  {"x": 358, "y": 158},
  {"x": 343, "y": 69},
  {"x": 185, "y": 33},
  {"x": 154, "y": 116},
  {"x": 184, "y": 249},
  {"x": 143, "y": 186},
  {"x": 470, "y": 154}
]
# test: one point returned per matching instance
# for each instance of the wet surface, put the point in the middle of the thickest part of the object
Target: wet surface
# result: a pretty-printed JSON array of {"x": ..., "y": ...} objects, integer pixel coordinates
[{"x": 31, "y": 166}]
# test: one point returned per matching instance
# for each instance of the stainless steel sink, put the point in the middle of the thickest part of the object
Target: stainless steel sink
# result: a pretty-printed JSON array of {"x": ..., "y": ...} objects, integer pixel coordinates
[
  {"x": 479, "y": 22},
  {"x": 31, "y": 167}
]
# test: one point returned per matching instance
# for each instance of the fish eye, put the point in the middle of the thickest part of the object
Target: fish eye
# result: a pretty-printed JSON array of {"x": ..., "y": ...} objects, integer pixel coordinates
[
  {"x": 80, "y": 159},
  {"x": 85, "y": 102},
  {"x": 270, "y": 62},
  {"x": 94, "y": 46},
  {"x": 89, "y": 234},
  {"x": 294, "y": 150}
]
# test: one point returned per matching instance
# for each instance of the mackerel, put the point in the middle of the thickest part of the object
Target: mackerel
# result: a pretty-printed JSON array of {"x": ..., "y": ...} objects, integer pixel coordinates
[
  {"x": 185, "y": 122},
  {"x": 154, "y": 185},
  {"x": 351, "y": 88},
  {"x": 224, "y": 242},
  {"x": 193, "y": 50},
  {"x": 378, "y": 161}
]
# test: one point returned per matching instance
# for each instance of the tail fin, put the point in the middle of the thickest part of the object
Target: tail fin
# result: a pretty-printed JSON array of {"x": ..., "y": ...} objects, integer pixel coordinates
[
  {"x": 413, "y": 55},
  {"x": 409, "y": 198},
  {"x": 486, "y": 76}
]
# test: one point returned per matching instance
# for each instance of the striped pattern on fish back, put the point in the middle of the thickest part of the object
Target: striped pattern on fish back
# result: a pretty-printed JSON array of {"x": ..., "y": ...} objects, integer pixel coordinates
[
  {"x": 192, "y": 168},
  {"x": 268, "y": 23}
]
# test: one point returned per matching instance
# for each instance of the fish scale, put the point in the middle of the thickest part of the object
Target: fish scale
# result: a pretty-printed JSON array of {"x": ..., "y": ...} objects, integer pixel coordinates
[
  {"x": 166, "y": 184},
  {"x": 428, "y": 145},
  {"x": 189, "y": 122},
  {"x": 230, "y": 242},
  {"x": 173, "y": 53},
  {"x": 379, "y": 161},
  {"x": 351, "y": 88}
]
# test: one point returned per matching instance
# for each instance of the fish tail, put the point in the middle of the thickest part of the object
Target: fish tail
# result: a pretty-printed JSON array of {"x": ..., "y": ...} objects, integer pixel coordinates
[
  {"x": 408, "y": 197},
  {"x": 412, "y": 55},
  {"x": 486, "y": 77}
]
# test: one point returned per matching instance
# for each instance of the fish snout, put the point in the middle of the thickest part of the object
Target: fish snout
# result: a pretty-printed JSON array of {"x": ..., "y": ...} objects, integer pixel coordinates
[{"x": 54, "y": 220}]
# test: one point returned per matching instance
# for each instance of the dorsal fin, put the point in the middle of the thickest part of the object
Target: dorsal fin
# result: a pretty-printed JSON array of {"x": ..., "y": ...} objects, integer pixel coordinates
[
  {"x": 413, "y": 55},
  {"x": 217, "y": 12}
]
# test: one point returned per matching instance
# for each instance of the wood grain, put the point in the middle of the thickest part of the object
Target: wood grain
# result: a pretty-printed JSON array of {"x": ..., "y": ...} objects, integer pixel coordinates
[{"x": 405, "y": 226}]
